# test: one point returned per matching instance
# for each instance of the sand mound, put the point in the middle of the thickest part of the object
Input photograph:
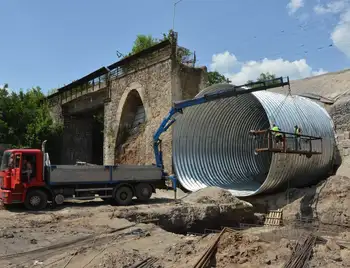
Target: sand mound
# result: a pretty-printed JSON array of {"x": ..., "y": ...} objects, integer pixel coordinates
[{"x": 215, "y": 195}]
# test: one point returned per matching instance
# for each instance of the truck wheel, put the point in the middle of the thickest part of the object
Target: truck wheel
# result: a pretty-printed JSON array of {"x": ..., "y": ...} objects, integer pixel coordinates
[
  {"x": 36, "y": 200},
  {"x": 123, "y": 196},
  {"x": 143, "y": 191}
]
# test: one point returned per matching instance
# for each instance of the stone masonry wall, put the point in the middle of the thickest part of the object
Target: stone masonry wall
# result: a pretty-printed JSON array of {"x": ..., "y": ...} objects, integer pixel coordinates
[
  {"x": 159, "y": 81},
  {"x": 77, "y": 139},
  {"x": 158, "y": 86},
  {"x": 154, "y": 87},
  {"x": 340, "y": 113},
  {"x": 188, "y": 81},
  {"x": 343, "y": 140},
  {"x": 56, "y": 109}
]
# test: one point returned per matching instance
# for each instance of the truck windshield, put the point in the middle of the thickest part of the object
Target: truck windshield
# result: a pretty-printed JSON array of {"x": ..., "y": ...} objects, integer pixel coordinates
[{"x": 5, "y": 160}]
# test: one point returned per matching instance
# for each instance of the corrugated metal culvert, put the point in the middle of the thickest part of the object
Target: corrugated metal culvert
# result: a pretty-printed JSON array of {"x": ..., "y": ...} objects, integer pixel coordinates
[{"x": 212, "y": 145}]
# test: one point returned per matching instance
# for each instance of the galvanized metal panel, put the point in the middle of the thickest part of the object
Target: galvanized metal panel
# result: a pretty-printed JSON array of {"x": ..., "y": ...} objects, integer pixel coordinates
[{"x": 212, "y": 147}]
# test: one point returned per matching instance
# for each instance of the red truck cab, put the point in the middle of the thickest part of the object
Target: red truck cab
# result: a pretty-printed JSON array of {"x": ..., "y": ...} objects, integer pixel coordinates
[{"x": 20, "y": 170}]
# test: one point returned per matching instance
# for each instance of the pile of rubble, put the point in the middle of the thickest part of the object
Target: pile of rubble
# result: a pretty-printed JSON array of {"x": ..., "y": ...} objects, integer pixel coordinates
[{"x": 210, "y": 208}]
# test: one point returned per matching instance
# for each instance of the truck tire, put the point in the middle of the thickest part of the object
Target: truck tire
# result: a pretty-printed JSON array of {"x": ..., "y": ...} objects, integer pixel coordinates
[
  {"x": 143, "y": 191},
  {"x": 123, "y": 196},
  {"x": 36, "y": 200}
]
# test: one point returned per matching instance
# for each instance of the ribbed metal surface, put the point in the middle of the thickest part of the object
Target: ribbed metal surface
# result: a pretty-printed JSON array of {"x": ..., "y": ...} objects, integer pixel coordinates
[{"x": 212, "y": 145}]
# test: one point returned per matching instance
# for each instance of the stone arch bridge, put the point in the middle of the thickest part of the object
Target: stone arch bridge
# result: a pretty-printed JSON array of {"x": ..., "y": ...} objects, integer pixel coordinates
[{"x": 111, "y": 114}]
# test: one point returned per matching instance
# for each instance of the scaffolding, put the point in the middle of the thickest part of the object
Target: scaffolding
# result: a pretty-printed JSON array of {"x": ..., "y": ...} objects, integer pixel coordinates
[{"x": 290, "y": 143}]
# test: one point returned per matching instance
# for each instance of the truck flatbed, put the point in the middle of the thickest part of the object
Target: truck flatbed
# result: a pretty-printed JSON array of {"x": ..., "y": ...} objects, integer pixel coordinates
[{"x": 79, "y": 174}]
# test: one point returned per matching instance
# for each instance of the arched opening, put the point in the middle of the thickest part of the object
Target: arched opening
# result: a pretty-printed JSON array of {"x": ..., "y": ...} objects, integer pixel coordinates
[
  {"x": 212, "y": 147},
  {"x": 131, "y": 122},
  {"x": 82, "y": 137}
]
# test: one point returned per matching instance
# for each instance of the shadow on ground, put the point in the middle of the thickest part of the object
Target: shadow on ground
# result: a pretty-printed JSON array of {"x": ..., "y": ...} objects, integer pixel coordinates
[{"x": 19, "y": 208}]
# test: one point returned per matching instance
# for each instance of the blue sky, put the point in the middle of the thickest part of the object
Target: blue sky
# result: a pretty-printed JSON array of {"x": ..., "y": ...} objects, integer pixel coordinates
[{"x": 51, "y": 43}]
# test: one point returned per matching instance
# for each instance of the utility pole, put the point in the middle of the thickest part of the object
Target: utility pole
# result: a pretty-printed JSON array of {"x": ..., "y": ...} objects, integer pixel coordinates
[{"x": 174, "y": 12}]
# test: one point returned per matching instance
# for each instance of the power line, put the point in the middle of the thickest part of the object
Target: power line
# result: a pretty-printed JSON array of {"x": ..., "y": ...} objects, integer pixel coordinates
[
  {"x": 304, "y": 34},
  {"x": 300, "y": 49},
  {"x": 303, "y": 53}
]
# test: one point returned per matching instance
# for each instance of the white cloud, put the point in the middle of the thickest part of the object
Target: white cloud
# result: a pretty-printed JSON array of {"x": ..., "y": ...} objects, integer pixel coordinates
[
  {"x": 251, "y": 70},
  {"x": 341, "y": 32},
  {"x": 332, "y": 7},
  {"x": 319, "y": 72},
  {"x": 223, "y": 62},
  {"x": 294, "y": 5}
]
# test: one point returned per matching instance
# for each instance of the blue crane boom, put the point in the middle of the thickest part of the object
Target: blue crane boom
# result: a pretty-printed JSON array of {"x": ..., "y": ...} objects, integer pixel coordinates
[{"x": 222, "y": 94}]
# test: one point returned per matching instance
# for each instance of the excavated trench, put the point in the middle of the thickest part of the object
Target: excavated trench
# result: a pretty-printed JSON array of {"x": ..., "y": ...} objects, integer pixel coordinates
[
  {"x": 193, "y": 219},
  {"x": 210, "y": 208},
  {"x": 215, "y": 218}
]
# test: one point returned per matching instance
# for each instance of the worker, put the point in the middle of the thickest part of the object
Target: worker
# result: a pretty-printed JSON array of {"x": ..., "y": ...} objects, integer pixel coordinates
[
  {"x": 297, "y": 133},
  {"x": 11, "y": 161},
  {"x": 278, "y": 136},
  {"x": 27, "y": 170}
]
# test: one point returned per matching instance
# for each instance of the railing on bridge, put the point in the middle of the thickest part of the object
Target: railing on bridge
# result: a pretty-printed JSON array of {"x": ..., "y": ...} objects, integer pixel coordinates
[
  {"x": 93, "y": 85},
  {"x": 102, "y": 77}
]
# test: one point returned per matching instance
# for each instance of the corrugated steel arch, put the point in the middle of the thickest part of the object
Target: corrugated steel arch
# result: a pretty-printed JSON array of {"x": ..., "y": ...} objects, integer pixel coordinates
[{"x": 212, "y": 147}]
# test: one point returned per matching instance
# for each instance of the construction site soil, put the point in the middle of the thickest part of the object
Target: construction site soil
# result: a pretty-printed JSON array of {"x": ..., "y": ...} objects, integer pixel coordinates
[
  {"x": 96, "y": 234},
  {"x": 178, "y": 233}
]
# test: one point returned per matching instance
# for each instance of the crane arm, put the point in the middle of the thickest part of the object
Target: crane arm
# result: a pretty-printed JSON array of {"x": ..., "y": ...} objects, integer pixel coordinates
[{"x": 208, "y": 97}]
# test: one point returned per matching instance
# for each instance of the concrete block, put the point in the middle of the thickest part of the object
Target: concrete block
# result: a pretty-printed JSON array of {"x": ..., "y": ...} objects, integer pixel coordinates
[{"x": 346, "y": 151}]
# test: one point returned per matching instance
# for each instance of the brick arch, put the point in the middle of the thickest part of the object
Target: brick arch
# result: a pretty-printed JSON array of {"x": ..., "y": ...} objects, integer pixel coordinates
[{"x": 133, "y": 95}]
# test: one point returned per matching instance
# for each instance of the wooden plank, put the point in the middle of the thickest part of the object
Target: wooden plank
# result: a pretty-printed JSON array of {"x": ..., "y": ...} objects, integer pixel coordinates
[{"x": 274, "y": 218}]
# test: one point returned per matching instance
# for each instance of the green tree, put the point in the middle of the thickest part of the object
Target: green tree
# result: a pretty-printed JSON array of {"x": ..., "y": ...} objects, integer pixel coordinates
[
  {"x": 263, "y": 77},
  {"x": 217, "y": 78},
  {"x": 5, "y": 86},
  {"x": 25, "y": 119},
  {"x": 182, "y": 54},
  {"x": 52, "y": 91},
  {"x": 143, "y": 42}
]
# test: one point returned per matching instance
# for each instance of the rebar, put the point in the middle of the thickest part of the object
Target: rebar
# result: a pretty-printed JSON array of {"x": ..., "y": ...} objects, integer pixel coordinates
[
  {"x": 147, "y": 263},
  {"x": 208, "y": 254},
  {"x": 302, "y": 252}
]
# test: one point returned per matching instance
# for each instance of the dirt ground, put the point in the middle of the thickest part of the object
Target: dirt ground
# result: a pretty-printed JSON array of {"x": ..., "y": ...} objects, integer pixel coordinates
[{"x": 96, "y": 234}]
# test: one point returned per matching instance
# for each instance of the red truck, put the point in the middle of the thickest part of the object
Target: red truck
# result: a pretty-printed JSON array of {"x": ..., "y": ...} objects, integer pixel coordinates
[{"x": 28, "y": 177}]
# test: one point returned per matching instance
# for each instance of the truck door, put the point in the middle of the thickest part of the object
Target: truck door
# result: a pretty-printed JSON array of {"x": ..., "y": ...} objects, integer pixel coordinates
[{"x": 16, "y": 171}]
